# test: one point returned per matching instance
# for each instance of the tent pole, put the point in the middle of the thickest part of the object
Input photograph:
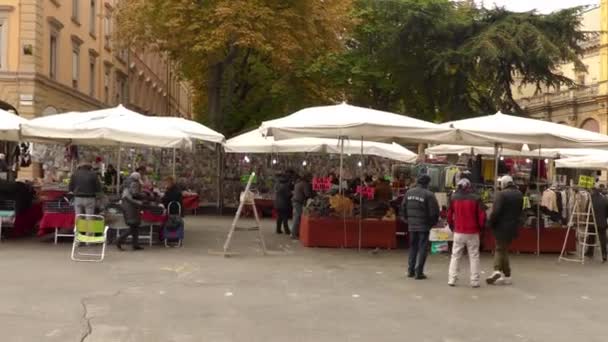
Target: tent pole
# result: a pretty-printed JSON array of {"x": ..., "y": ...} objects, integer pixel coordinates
[
  {"x": 361, "y": 199},
  {"x": 341, "y": 188},
  {"x": 118, "y": 173},
  {"x": 174, "y": 163},
  {"x": 538, "y": 206},
  {"x": 496, "y": 160}
]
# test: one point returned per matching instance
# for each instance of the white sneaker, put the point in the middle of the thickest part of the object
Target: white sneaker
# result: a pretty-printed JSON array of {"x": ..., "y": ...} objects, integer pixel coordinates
[
  {"x": 504, "y": 281},
  {"x": 491, "y": 280}
]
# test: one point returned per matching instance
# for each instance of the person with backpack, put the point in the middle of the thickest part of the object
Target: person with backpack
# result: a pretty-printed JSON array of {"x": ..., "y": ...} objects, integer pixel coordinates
[{"x": 466, "y": 218}]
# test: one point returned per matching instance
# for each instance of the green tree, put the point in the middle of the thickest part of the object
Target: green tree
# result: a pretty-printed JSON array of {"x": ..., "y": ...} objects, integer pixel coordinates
[
  {"x": 441, "y": 60},
  {"x": 222, "y": 45}
]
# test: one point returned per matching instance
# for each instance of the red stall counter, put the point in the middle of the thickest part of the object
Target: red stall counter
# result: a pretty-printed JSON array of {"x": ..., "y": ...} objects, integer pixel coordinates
[
  {"x": 330, "y": 232},
  {"x": 551, "y": 240}
]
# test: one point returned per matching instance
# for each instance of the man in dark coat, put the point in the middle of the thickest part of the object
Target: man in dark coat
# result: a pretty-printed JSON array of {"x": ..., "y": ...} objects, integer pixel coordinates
[
  {"x": 301, "y": 193},
  {"x": 421, "y": 210},
  {"x": 600, "y": 211},
  {"x": 282, "y": 203},
  {"x": 85, "y": 186},
  {"x": 505, "y": 220}
]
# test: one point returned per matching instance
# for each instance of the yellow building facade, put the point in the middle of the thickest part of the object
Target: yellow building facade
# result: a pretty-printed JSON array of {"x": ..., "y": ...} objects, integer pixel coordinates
[
  {"x": 586, "y": 105},
  {"x": 59, "y": 55}
]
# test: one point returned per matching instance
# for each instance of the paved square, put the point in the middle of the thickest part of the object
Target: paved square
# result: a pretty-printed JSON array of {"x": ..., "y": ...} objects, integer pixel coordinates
[{"x": 183, "y": 295}]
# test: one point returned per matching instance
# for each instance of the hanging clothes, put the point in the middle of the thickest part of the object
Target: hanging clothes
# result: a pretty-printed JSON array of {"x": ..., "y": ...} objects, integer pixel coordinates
[
  {"x": 549, "y": 201},
  {"x": 475, "y": 167},
  {"x": 488, "y": 170},
  {"x": 450, "y": 176}
]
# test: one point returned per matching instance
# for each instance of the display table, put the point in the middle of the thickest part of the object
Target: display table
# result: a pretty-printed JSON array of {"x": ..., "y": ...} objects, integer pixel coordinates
[
  {"x": 329, "y": 232},
  {"x": 51, "y": 221},
  {"x": 551, "y": 241},
  {"x": 264, "y": 206}
]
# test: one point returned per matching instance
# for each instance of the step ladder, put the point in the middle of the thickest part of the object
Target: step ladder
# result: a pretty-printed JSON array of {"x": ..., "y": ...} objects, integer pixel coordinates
[
  {"x": 582, "y": 223},
  {"x": 247, "y": 198}
]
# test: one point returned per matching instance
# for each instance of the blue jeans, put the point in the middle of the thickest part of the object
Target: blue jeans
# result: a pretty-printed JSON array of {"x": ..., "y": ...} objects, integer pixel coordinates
[
  {"x": 297, "y": 217},
  {"x": 419, "y": 243}
]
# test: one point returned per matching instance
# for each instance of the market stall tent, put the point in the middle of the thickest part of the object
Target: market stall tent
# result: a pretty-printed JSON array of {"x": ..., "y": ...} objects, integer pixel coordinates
[
  {"x": 513, "y": 131},
  {"x": 10, "y": 126},
  {"x": 193, "y": 129},
  {"x": 489, "y": 151},
  {"x": 254, "y": 142},
  {"x": 106, "y": 127},
  {"x": 346, "y": 121},
  {"x": 595, "y": 162}
]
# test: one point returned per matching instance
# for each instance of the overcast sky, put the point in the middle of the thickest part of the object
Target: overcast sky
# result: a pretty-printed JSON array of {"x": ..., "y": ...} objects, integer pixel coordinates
[{"x": 544, "y": 6}]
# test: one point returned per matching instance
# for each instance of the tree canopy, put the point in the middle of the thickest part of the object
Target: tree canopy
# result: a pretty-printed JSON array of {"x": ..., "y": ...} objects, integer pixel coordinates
[{"x": 251, "y": 60}]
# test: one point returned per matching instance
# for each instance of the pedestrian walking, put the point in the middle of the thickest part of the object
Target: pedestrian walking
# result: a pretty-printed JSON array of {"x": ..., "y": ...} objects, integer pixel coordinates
[
  {"x": 421, "y": 210},
  {"x": 85, "y": 186},
  {"x": 301, "y": 193},
  {"x": 505, "y": 220},
  {"x": 600, "y": 211},
  {"x": 282, "y": 203},
  {"x": 132, "y": 202},
  {"x": 466, "y": 217}
]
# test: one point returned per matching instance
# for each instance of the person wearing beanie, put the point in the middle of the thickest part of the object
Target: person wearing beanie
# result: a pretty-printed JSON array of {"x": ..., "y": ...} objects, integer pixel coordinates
[
  {"x": 421, "y": 211},
  {"x": 505, "y": 220},
  {"x": 600, "y": 213},
  {"x": 466, "y": 217}
]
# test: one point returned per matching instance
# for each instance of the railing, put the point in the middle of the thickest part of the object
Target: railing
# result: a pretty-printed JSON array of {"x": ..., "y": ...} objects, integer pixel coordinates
[{"x": 560, "y": 96}]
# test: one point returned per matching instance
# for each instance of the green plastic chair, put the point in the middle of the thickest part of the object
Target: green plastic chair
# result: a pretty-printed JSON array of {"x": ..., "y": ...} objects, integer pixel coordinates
[{"x": 89, "y": 230}]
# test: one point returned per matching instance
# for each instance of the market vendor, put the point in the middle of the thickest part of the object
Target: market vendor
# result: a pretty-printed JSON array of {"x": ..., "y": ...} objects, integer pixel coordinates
[
  {"x": 301, "y": 194},
  {"x": 173, "y": 194},
  {"x": 383, "y": 191}
]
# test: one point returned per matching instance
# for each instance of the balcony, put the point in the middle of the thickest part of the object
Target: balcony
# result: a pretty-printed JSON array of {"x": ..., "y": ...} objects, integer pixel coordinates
[{"x": 560, "y": 97}]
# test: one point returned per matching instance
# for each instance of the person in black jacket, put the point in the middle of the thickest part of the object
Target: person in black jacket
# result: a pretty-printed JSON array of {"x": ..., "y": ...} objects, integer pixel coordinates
[
  {"x": 282, "y": 203},
  {"x": 600, "y": 211},
  {"x": 301, "y": 194},
  {"x": 421, "y": 210},
  {"x": 133, "y": 201},
  {"x": 85, "y": 186},
  {"x": 505, "y": 220},
  {"x": 173, "y": 194}
]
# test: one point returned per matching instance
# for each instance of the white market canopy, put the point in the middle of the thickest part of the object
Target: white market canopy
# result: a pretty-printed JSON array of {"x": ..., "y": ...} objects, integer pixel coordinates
[
  {"x": 194, "y": 130},
  {"x": 106, "y": 127},
  {"x": 595, "y": 162},
  {"x": 254, "y": 142},
  {"x": 489, "y": 151},
  {"x": 346, "y": 121},
  {"x": 10, "y": 126},
  {"x": 516, "y": 131}
]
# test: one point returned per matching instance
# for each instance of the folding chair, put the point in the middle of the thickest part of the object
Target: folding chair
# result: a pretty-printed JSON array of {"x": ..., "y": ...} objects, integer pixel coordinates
[
  {"x": 90, "y": 230},
  {"x": 174, "y": 227},
  {"x": 7, "y": 215}
]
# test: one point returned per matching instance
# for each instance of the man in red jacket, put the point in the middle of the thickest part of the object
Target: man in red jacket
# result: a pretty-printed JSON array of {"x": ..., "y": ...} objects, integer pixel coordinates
[{"x": 466, "y": 217}]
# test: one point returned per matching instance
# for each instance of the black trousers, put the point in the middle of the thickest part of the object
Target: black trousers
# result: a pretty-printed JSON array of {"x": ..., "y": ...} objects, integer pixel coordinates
[
  {"x": 419, "y": 243},
  {"x": 283, "y": 219},
  {"x": 601, "y": 232},
  {"x": 133, "y": 231}
]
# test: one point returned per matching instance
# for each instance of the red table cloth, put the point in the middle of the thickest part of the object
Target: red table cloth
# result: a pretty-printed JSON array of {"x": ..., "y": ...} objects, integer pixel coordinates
[
  {"x": 51, "y": 220},
  {"x": 551, "y": 240},
  {"x": 329, "y": 232},
  {"x": 190, "y": 202},
  {"x": 150, "y": 217}
]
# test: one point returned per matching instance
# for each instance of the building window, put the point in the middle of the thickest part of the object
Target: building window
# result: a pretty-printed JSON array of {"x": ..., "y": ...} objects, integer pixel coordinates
[
  {"x": 76, "y": 11},
  {"x": 75, "y": 65},
  {"x": 93, "y": 18},
  {"x": 53, "y": 56},
  {"x": 3, "y": 44},
  {"x": 580, "y": 79},
  {"x": 121, "y": 89},
  {"x": 591, "y": 125},
  {"x": 92, "y": 73},
  {"x": 106, "y": 84},
  {"x": 107, "y": 30}
]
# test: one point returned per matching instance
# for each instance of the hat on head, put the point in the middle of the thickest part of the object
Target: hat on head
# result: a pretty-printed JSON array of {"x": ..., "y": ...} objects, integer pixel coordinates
[
  {"x": 464, "y": 183},
  {"x": 505, "y": 181},
  {"x": 424, "y": 179}
]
